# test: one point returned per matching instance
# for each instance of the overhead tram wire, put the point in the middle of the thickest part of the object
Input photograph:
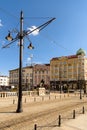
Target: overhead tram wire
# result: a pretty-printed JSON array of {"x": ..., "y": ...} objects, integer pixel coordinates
[
  {"x": 35, "y": 18},
  {"x": 8, "y": 13},
  {"x": 38, "y": 17},
  {"x": 25, "y": 17},
  {"x": 5, "y": 46},
  {"x": 47, "y": 37},
  {"x": 53, "y": 41},
  {"x": 42, "y": 26}
]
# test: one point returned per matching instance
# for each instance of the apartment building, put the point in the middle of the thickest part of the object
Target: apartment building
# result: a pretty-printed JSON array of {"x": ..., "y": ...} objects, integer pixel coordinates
[
  {"x": 69, "y": 71},
  {"x": 26, "y": 77},
  {"x": 31, "y": 76},
  {"x": 41, "y": 72}
]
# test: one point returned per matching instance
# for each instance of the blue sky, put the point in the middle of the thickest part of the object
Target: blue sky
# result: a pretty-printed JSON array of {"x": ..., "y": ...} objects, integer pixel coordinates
[{"x": 64, "y": 36}]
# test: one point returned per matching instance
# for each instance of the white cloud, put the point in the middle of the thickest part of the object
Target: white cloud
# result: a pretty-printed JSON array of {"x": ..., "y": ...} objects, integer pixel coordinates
[
  {"x": 1, "y": 23},
  {"x": 36, "y": 32},
  {"x": 28, "y": 59}
]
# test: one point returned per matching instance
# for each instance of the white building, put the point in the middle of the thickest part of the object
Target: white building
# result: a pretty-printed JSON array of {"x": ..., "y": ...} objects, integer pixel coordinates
[{"x": 4, "y": 80}]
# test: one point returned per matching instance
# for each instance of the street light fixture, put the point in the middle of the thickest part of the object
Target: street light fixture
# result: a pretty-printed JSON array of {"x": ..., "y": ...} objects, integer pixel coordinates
[
  {"x": 30, "y": 46},
  {"x": 20, "y": 36},
  {"x": 9, "y": 37}
]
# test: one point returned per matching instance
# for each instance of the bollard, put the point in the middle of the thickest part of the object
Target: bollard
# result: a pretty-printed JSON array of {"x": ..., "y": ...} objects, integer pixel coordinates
[
  {"x": 73, "y": 114},
  {"x": 13, "y": 101},
  {"x": 42, "y": 98},
  {"x": 35, "y": 127},
  {"x": 34, "y": 99},
  {"x": 83, "y": 110},
  {"x": 6, "y": 95},
  {"x": 60, "y": 96},
  {"x": 59, "y": 123},
  {"x": 25, "y": 100},
  {"x": 55, "y": 97},
  {"x": 49, "y": 97}
]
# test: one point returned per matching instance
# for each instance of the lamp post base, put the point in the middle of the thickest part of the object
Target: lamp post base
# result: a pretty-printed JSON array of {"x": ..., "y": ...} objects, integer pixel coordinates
[{"x": 19, "y": 110}]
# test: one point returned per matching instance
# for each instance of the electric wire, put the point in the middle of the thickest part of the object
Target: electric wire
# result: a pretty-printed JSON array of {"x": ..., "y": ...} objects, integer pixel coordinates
[
  {"x": 55, "y": 42},
  {"x": 38, "y": 18},
  {"x": 8, "y": 13}
]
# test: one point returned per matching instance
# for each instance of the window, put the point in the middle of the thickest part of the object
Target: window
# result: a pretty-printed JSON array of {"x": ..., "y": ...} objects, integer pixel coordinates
[
  {"x": 30, "y": 74},
  {"x": 23, "y": 70}
]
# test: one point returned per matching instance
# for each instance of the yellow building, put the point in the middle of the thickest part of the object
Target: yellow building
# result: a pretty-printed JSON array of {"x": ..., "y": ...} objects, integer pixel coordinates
[{"x": 69, "y": 71}]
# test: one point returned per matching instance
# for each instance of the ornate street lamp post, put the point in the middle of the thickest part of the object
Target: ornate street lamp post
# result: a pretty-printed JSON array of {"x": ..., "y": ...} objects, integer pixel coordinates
[
  {"x": 19, "y": 108},
  {"x": 20, "y": 36}
]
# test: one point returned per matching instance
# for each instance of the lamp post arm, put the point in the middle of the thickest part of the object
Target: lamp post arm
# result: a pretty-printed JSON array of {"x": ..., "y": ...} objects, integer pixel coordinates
[
  {"x": 7, "y": 45},
  {"x": 25, "y": 33},
  {"x": 39, "y": 27}
]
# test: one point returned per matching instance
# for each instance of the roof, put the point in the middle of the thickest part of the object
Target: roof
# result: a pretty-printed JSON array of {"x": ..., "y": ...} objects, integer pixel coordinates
[{"x": 67, "y": 57}]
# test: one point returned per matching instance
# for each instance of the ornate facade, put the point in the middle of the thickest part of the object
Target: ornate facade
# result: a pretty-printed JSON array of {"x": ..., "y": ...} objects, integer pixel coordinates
[
  {"x": 41, "y": 72},
  {"x": 26, "y": 77},
  {"x": 31, "y": 76},
  {"x": 69, "y": 71}
]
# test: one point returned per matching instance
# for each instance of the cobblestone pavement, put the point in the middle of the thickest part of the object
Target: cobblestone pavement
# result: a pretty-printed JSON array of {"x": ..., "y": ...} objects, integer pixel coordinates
[{"x": 42, "y": 111}]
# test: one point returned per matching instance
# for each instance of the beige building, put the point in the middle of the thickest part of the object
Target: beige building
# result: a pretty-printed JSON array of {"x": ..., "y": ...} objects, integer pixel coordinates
[
  {"x": 69, "y": 71},
  {"x": 26, "y": 77},
  {"x": 31, "y": 76},
  {"x": 41, "y": 72}
]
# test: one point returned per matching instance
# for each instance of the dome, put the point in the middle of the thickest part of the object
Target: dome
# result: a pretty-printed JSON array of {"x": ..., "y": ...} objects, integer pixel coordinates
[{"x": 81, "y": 52}]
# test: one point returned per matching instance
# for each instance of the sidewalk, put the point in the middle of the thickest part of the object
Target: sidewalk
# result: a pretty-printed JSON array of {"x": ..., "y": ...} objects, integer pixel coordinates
[{"x": 79, "y": 123}]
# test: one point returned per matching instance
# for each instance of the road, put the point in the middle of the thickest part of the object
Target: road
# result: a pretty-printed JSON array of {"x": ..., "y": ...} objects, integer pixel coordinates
[{"x": 42, "y": 112}]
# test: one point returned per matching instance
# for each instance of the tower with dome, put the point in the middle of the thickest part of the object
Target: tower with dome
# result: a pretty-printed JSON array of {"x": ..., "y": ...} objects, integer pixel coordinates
[{"x": 81, "y": 52}]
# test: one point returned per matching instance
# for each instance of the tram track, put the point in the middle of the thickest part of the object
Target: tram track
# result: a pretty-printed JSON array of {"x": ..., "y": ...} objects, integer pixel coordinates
[{"x": 41, "y": 117}]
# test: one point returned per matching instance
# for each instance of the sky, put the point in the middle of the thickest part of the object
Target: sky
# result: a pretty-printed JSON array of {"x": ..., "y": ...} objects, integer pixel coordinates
[{"x": 62, "y": 37}]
